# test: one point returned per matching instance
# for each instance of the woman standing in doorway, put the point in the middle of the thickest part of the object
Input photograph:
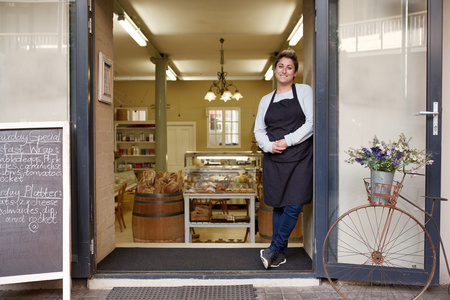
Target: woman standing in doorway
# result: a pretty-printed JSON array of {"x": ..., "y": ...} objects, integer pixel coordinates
[{"x": 283, "y": 130}]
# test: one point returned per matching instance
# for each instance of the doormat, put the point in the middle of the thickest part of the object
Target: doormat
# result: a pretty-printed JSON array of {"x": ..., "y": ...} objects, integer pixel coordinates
[
  {"x": 223, "y": 292},
  {"x": 197, "y": 259}
]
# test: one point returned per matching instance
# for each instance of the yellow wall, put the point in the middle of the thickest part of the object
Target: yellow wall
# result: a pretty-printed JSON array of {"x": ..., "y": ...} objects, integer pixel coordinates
[{"x": 187, "y": 104}]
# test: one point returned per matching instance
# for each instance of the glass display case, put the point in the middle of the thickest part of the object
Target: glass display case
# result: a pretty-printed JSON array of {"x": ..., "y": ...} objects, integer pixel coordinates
[
  {"x": 219, "y": 179},
  {"x": 233, "y": 177},
  {"x": 231, "y": 158}
]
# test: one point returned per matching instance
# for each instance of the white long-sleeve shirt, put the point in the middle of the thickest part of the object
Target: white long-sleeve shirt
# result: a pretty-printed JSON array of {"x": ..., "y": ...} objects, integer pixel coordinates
[{"x": 305, "y": 98}]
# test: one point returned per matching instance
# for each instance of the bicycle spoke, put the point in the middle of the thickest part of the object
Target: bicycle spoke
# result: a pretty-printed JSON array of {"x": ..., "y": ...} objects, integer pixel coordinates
[{"x": 378, "y": 246}]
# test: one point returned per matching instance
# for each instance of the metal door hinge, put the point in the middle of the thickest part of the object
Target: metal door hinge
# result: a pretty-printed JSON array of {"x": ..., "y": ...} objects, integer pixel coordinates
[
  {"x": 92, "y": 246},
  {"x": 315, "y": 24},
  {"x": 90, "y": 25}
]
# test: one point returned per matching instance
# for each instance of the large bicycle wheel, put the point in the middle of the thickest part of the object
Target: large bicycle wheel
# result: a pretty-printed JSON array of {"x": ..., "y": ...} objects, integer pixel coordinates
[{"x": 374, "y": 250}]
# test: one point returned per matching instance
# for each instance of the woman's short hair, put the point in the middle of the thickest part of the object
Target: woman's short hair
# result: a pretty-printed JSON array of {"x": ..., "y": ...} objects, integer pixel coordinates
[{"x": 288, "y": 53}]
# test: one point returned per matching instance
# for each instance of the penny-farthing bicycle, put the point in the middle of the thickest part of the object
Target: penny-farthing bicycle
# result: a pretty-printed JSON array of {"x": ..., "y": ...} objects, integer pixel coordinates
[{"x": 378, "y": 244}]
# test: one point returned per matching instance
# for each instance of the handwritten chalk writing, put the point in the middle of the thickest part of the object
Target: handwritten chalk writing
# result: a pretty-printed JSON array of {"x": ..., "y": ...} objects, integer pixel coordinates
[
  {"x": 31, "y": 191},
  {"x": 15, "y": 219},
  {"x": 33, "y": 201},
  {"x": 47, "y": 216},
  {"x": 9, "y": 192},
  {"x": 10, "y": 177},
  {"x": 37, "y": 136},
  {"x": 18, "y": 210},
  {"x": 14, "y": 136},
  {"x": 31, "y": 173}
]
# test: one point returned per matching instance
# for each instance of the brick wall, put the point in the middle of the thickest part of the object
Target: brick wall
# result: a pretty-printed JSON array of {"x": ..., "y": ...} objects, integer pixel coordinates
[{"x": 104, "y": 137}]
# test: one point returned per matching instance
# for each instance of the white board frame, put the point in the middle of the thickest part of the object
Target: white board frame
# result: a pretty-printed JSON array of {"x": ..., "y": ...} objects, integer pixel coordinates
[
  {"x": 105, "y": 79},
  {"x": 64, "y": 274}
]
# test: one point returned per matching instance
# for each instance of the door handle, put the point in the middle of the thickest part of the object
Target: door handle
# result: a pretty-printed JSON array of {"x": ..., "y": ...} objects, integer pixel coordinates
[
  {"x": 420, "y": 113},
  {"x": 435, "y": 114}
]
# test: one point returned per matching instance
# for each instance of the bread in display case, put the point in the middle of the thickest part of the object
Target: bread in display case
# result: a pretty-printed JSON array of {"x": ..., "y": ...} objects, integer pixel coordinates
[{"x": 219, "y": 179}]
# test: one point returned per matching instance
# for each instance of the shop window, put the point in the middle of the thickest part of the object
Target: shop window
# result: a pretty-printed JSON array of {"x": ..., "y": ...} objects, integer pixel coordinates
[{"x": 224, "y": 125}]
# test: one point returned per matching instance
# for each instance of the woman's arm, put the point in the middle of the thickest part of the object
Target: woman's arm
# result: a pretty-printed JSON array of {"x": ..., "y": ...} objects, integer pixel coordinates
[
  {"x": 305, "y": 98},
  {"x": 260, "y": 126}
]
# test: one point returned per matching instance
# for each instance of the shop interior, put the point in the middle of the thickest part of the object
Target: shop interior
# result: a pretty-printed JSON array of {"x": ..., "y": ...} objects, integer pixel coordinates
[{"x": 211, "y": 196}]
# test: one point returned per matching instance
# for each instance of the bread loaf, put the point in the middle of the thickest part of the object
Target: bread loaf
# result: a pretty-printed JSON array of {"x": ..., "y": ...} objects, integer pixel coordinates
[{"x": 163, "y": 182}]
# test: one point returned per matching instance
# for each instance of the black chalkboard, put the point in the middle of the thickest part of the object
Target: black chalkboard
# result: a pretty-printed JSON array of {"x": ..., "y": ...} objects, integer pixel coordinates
[{"x": 31, "y": 201}]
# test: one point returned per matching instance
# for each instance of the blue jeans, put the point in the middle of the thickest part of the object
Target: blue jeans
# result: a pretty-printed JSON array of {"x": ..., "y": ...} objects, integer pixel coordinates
[{"x": 283, "y": 222}]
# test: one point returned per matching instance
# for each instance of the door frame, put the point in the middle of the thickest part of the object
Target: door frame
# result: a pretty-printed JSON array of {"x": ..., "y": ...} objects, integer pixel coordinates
[
  {"x": 325, "y": 87},
  {"x": 81, "y": 142}
]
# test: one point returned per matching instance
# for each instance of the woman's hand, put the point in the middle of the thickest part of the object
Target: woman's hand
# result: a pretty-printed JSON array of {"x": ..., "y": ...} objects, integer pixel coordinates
[{"x": 279, "y": 146}]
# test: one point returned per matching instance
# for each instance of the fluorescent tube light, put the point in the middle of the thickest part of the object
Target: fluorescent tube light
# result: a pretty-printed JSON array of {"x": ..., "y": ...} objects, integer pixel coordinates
[
  {"x": 171, "y": 75},
  {"x": 297, "y": 33},
  {"x": 269, "y": 74},
  {"x": 132, "y": 29}
]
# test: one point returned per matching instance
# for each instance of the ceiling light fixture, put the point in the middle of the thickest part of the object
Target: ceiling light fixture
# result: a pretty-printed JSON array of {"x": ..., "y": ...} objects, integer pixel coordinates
[
  {"x": 171, "y": 75},
  {"x": 132, "y": 29},
  {"x": 297, "y": 33},
  {"x": 269, "y": 74},
  {"x": 221, "y": 86}
]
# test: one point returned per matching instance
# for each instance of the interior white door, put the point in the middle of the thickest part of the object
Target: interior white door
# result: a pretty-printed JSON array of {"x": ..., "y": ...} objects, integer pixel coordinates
[{"x": 180, "y": 138}]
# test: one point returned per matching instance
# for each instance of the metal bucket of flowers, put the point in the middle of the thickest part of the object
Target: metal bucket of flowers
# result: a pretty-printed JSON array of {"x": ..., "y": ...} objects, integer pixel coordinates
[{"x": 384, "y": 159}]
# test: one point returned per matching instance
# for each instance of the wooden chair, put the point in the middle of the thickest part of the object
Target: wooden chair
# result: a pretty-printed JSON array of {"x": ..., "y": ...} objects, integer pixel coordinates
[{"x": 119, "y": 206}]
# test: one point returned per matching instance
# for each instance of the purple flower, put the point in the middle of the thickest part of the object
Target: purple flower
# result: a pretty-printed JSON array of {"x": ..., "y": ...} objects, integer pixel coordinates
[
  {"x": 366, "y": 152},
  {"x": 400, "y": 154},
  {"x": 396, "y": 162},
  {"x": 380, "y": 155},
  {"x": 359, "y": 160}
]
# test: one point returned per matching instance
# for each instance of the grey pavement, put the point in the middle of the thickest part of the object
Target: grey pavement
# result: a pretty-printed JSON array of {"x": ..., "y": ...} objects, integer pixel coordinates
[{"x": 322, "y": 292}]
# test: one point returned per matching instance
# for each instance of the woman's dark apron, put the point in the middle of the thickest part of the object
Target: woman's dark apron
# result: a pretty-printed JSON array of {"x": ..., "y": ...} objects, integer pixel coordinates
[{"x": 288, "y": 176}]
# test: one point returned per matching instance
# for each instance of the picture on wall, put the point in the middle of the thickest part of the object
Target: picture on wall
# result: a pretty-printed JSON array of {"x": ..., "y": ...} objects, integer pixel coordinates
[{"x": 105, "y": 77}]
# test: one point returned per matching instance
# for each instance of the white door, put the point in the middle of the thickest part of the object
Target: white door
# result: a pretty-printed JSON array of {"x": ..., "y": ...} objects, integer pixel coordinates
[{"x": 180, "y": 138}]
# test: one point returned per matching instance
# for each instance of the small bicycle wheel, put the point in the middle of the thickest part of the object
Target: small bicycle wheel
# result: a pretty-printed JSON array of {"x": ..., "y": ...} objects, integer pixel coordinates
[{"x": 374, "y": 250}]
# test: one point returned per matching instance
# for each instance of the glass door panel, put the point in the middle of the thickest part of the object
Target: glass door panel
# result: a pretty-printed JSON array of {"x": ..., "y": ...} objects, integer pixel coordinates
[
  {"x": 377, "y": 83},
  {"x": 382, "y": 84}
]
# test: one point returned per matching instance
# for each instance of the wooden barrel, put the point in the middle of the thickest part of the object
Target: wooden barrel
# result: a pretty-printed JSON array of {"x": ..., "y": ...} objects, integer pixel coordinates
[
  {"x": 158, "y": 218},
  {"x": 265, "y": 225}
]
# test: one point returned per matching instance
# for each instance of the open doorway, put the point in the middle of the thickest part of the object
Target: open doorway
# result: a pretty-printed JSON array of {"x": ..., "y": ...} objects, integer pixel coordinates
[{"x": 228, "y": 241}]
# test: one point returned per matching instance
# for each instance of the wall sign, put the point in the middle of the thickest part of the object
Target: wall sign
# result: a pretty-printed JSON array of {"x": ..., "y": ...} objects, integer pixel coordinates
[{"x": 34, "y": 202}]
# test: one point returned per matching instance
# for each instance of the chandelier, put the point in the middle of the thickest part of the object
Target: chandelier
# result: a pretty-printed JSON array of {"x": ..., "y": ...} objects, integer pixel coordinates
[{"x": 222, "y": 87}]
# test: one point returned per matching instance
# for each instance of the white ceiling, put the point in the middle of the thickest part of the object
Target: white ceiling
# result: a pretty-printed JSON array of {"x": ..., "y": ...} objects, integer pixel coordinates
[{"x": 188, "y": 32}]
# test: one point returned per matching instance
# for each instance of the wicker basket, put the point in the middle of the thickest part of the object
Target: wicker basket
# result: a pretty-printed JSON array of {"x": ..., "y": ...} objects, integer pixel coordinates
[
  {"x": 201, "y": 213},
  {"x": 197, "y": 216}
]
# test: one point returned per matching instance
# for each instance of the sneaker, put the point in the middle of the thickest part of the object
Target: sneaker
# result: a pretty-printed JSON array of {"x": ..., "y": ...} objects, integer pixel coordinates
[
  {"x": 267, "y": 257},
  {"x": 279, "y": 260}
]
